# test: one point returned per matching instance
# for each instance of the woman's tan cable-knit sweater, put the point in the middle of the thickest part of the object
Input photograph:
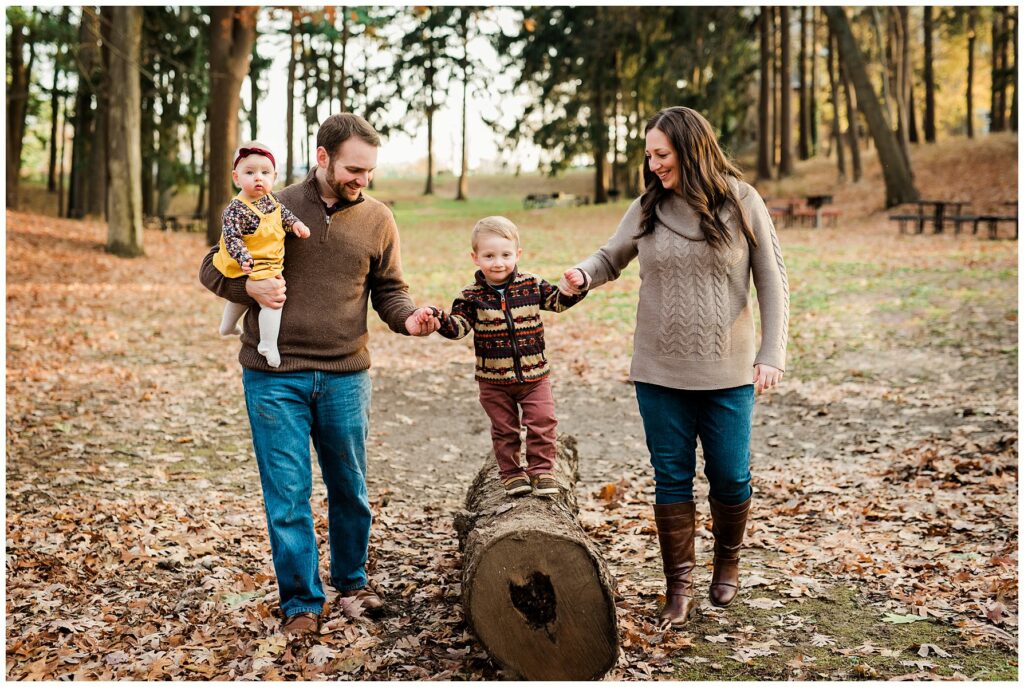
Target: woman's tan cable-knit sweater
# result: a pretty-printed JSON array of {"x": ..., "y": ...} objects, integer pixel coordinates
[{"x": 694, "y": 326}]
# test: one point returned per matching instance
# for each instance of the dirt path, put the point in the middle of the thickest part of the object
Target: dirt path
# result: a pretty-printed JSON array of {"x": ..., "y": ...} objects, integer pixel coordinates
[{"x": 883, "y": 543}]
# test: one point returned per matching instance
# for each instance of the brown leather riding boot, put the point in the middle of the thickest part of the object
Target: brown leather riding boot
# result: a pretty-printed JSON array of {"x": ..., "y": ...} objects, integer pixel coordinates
[
  {"x": 675, "y": 523},
  {"x": 728, "y": 526}
]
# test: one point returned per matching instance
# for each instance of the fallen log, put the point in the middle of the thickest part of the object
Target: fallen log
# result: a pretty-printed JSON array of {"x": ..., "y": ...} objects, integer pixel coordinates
[{"x": 535, "y": 590}]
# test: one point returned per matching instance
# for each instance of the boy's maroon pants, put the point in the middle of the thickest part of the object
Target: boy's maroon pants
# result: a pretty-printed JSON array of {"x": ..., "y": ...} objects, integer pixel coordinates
[{"x": 502, "y": 402}]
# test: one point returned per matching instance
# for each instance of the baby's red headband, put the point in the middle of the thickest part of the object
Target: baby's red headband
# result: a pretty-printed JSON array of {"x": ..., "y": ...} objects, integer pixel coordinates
[{"x": 246, "y": 152}]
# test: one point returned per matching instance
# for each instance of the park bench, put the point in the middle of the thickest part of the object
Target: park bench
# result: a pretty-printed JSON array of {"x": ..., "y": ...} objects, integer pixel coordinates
[
  {"x": 187, "y": 222},
  {"x": 908, "y": 217},
  {"x": 557, "y": 198},
  {"x": 992, "y": 221}
]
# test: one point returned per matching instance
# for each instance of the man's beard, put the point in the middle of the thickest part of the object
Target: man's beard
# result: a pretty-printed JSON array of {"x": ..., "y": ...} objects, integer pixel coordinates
[{"x": 340, "y": 191}]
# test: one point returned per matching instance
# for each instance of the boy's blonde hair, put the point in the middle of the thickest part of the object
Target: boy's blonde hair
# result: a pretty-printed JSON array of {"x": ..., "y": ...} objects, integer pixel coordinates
[{"x": 496, "y": 225}]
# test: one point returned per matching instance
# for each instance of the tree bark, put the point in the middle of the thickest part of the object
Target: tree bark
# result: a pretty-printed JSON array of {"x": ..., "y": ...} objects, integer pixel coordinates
[
  {"x": 124, "y": 160},
  {"x": 17, "y": 105},
  {"x": 428, "y": 82},
  {"x": 98, "y": 183},
  {"x": 969, "y": 95},
  {"x": 812, "y": 96},
  {"x": 535, "y": 589},
  {"x": 290, "y": 108},
  {"x": 834, "y": 90},
  {"x": 929, "y": 78},
  {"x": 254, "y": 98},
  {"x": 232, "y": 32},
  {"x": 55, "y": 100},
  {"x": 764, "y": 122},
  {"x": 786, "y": 109},
  {"x": 1012, "y": 71},
  {"x": 599, "y": 133},
  {"x": 899, "y": 182},
  {"x": 804, "y": 111},
  {"x": 899, "y": 21},
  {"x": 776, "y": 90},
  {"x": 462, "y": 193},
  {"x": 852, "y": 137}
]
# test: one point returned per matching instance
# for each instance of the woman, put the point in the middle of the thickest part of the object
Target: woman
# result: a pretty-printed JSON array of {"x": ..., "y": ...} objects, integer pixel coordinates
[{"x": 700, "y": 233}]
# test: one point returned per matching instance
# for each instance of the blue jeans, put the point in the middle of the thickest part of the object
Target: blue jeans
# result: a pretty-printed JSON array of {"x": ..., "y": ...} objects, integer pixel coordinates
[
  {"x": 286, "y": 409},
  {"x": 673, "y": 421}
]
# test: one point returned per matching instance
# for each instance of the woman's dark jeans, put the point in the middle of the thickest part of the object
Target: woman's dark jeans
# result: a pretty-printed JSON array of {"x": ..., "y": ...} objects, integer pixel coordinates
[{"x": 673, "y": 421}]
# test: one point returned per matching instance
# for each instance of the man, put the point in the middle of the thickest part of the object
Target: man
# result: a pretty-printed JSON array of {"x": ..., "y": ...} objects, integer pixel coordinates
[{"x": 322, "y": 388}]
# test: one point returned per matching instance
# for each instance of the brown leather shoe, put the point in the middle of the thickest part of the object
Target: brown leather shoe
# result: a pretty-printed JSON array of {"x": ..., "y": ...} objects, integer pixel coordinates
[
  {"x": 675, "y": 523},
  {"x": 301, "y": 624},
  {"x": 372, "y": 604},
  {"x": 728, "y": 525}
]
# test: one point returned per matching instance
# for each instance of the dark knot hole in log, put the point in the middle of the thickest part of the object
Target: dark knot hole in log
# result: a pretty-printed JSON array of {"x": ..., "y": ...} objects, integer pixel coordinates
[{"x": 535, "y": 600}]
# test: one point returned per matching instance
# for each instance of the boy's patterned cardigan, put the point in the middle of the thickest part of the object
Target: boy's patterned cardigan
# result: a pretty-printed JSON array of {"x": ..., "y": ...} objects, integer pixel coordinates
[{"x": 507, "y": 332}]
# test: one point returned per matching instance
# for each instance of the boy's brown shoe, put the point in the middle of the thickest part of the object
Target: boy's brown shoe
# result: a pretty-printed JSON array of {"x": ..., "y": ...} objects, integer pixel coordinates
[
  {"x": 544, "y": 485},
  {"x": 302, "y": 624},
  {"x": 517, "y": 485}
]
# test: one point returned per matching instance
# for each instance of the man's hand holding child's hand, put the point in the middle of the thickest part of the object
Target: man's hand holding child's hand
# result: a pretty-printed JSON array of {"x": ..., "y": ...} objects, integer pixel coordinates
[{"x": 423, "y": 321}]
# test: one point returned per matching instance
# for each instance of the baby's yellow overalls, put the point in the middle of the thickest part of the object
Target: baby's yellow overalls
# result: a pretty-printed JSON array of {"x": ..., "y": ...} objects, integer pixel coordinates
[{"x": 266, "y": 247}]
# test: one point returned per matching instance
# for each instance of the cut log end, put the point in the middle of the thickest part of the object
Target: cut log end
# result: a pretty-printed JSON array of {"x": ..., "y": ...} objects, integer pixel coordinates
[{"x": 539, "y": 603}]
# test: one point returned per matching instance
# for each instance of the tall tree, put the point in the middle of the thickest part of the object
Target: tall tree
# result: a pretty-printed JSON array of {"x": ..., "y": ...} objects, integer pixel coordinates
[
  {"x": 899, "y": 23},
  {"x": 1012, "y": 72},
  {"x": 899, "y": 182},
  {"x": 232, "y": 32},
  {"x": 124, "y": 159},
  {"x": 786, "y": 110},
  {"x": 834, "y": 91},
  {"x": 813, "y": 91},
  {"x": 804, "y": 110},
  {"x": 21, "y": 38},
  {"x": 57, "y": 32},
  {"x": 289, "y": 128},
  {"x": 90, "y": 74},
  {"x": 764, "y": 122},
  {"x": 929, "y": 77},
  {"x": 463, "y": 22},
  {"x": 969, "y": 94}
]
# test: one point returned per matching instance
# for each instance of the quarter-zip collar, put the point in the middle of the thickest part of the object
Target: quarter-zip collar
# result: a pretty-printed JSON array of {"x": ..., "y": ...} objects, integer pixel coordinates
[{"x": 311, "y": 190}]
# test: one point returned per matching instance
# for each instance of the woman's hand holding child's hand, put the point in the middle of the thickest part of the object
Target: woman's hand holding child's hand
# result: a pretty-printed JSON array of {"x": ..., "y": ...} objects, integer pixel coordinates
[{"x": 572, "y": 282}]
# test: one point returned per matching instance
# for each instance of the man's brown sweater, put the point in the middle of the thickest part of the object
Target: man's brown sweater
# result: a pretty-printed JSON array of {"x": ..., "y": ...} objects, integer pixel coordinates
[{"x": 350, "y": 258}]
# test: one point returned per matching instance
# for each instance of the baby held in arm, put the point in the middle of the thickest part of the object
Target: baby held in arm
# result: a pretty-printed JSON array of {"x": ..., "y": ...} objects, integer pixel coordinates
[{"x": 252, "y": 240}]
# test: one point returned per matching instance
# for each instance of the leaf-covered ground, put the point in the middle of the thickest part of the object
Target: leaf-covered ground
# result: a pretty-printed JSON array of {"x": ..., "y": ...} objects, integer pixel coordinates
[{"x": 883, "y": 541}]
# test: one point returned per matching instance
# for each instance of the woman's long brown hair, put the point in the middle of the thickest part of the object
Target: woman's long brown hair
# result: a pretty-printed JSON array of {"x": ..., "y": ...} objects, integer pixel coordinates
[{"x": 703, "y": 176}]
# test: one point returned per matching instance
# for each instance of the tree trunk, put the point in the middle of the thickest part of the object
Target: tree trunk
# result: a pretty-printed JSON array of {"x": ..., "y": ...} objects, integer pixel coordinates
[
  {"x": 17, "y": 105},
  {"x": 462, "y": 193},
  {"x": 535, "y": 589},
  {"x": 786, "y": 110},
  {"x": 61, "y": 204},
  {"x": 912, "y": 134},
  {"x": 254, "y": 98},
  {"x": 1012, "y": 72},
  {"x": 776, "y": 90},
  {"x": 764, "y": 121},
  {"x": 342, "y": 86},
  {"x": 232, "y": 32},
  {"x": 428, "y": 78},
  {"x": 969, "y": 95},
  {"x": 899, "y": 183},
  {"x": 599, "y": 137},
  {"x": 124, "y": 159},
  {"x": 170, "y": 143},
  {"x": 852, "y": 137},
  {"x": 290, "y": 108},
  {"x": 55, "y": 99},
  {"x": 899, "y": 20},
  {"x": 834, "y": 90},
  {"x": 202, "y": 176},
  {"x": 812, "y": 95},
  {"x": 929, "y": 78},
  {"x": 98, "y": 183},
  {"x": 804, "y": 111}
]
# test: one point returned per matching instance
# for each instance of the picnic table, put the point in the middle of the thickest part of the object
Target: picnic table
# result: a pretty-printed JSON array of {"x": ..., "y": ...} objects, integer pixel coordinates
[
  {"x": 938, "y": 213},
  {"x": 816, "y": 203}
]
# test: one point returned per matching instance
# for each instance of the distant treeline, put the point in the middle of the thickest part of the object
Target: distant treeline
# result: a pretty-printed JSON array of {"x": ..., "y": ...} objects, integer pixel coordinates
[{"x": 792, "y": 82}]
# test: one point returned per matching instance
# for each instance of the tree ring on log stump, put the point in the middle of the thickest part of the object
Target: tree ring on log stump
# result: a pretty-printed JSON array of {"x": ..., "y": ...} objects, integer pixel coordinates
[{"x": 545, "y": 603}]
